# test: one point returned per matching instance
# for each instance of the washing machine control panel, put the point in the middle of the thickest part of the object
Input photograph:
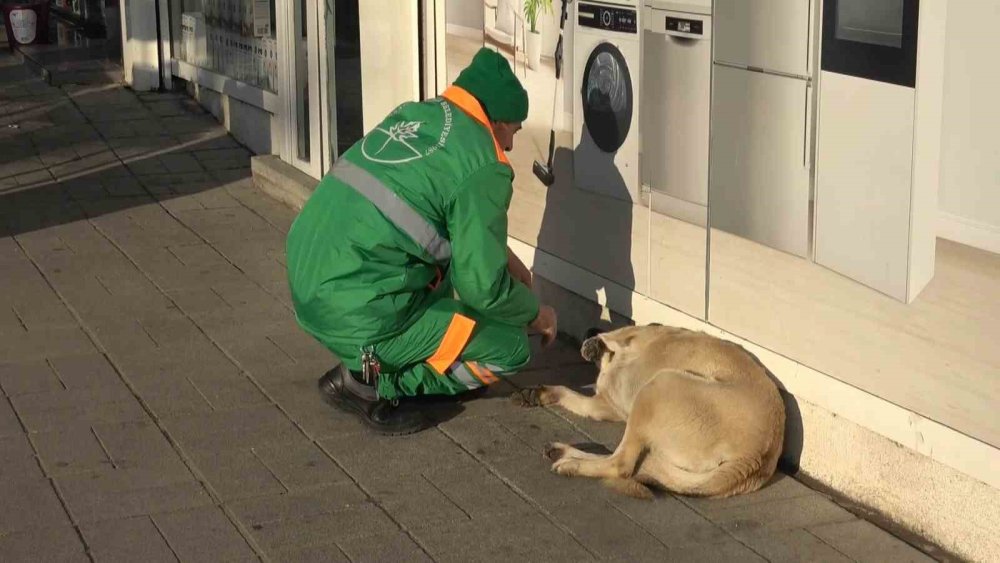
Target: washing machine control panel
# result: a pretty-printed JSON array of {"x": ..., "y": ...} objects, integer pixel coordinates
[{"x": 624, "y": 20}]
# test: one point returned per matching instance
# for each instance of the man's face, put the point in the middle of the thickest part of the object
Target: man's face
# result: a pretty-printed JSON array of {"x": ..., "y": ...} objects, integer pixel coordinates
[{"x": 504, "y": 132}]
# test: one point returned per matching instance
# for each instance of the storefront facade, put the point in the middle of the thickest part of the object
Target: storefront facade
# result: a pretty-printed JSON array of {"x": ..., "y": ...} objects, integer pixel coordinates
[
  {"x": 302, "y": 80},
  {"x": 306, "y": 79}
]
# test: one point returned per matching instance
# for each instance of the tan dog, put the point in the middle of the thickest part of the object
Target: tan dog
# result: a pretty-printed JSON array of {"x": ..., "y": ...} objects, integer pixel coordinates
[{"x": 702, "y": 416}]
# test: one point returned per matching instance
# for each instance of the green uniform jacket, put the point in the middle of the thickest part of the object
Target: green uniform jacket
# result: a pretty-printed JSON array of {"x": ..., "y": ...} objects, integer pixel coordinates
[{"x": 421, "y": 197}]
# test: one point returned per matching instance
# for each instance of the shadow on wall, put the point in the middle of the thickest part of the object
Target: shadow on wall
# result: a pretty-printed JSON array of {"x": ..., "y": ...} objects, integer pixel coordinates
[
  {"x": 791, "y": 451},
  {"x": 576, "y": 224}
]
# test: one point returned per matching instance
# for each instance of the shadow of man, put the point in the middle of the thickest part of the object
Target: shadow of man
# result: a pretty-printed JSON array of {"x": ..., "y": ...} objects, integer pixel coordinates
[
  {"x": 593, "y": 231},
  {"x": 589, "y": 209}
]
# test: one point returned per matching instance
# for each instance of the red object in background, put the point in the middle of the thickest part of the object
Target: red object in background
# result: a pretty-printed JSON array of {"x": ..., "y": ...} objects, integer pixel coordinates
[{"x": 27, "y": 23}]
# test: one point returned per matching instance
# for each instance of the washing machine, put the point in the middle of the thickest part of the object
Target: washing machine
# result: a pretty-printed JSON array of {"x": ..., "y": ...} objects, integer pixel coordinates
[{"x": 607, "y": 51}]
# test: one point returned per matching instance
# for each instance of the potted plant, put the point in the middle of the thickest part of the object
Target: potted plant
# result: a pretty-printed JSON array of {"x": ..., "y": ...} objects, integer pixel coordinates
[{"x": 533, "y": 49}]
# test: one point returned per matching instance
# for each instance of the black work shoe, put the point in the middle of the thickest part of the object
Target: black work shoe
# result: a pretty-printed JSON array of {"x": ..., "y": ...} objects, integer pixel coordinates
[{"x": 385, "y": 417}]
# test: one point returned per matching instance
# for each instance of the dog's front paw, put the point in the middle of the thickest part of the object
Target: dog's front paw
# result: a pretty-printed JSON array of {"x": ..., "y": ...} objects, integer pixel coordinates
[
  {"x": 554, "y": 451},
  {"x": 535, "y": 396},
  {"x": 526, "y": 398},
  {"x": 592, "y": 349}
]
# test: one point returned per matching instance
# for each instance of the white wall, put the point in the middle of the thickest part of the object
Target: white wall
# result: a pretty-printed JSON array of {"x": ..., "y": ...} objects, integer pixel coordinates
[
  {"x": 139, "y": 53},
  {"x": 550, "y": 36},
  {"x": 469, "y": 14},
  {"x": 550, "y": 29},
  {"x": 464, "y": 13},
  {"x": 970, "y": 167},
  {"x": 389, "y": 58}
]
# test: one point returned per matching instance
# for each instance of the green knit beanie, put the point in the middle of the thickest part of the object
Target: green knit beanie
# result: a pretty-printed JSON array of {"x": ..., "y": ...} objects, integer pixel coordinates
[{"x": 490, "y": 79}]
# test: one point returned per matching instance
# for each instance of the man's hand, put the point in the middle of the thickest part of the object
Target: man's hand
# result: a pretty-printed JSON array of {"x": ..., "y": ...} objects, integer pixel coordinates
[
  {"x": 517, "y": 269},
  {"x": 545, "y": 324}
]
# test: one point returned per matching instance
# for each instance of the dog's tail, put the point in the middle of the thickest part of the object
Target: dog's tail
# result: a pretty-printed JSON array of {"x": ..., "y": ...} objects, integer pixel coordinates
[
  {"x": 629, "y": 488},
  {"x": 733, "y": 477}
]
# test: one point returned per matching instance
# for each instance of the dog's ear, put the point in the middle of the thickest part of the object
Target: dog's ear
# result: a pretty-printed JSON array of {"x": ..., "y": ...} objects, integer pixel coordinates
[
  {"x": 618, "y": 340},
  {"x": 593, "y": 349},
  {"x": 626, "y": 341}
]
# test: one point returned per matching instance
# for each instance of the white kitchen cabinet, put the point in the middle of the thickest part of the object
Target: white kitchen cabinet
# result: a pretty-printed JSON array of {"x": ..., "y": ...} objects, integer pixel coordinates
[
  {"x": 863, "y": 199},
  {"x": 879, "y": 142}
]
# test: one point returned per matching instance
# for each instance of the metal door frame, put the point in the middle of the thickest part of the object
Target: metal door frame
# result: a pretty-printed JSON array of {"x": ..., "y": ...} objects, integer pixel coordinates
[{"x": 289, "y": 22}]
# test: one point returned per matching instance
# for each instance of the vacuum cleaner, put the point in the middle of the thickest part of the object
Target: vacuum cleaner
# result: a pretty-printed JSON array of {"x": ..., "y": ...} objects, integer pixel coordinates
[{"x": 544, "y": 172}]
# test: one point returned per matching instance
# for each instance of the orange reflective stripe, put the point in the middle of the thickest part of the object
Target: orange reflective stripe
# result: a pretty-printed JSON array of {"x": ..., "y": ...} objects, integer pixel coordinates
[
  {"x": 482, "y": 374},
  {"x": 470, "y": 105},
  {"x": 454, "y": 341}
]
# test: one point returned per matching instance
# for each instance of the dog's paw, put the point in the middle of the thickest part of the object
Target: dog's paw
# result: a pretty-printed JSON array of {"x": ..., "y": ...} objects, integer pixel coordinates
[
  {"x": 536, "y": 396},
  {"x": 567, "y": 467},
  {"x": 593, "y": 348},
  {"x": 526, "y": 398},
  {"x": 554, "y": 451}
]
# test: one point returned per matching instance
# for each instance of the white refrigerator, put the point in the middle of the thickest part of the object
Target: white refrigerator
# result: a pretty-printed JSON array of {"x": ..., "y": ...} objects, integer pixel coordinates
[{"x": 761, "y": 121}]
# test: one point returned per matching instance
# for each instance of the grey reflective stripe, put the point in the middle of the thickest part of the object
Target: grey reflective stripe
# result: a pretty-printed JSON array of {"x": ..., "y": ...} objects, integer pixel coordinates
[
  {"x": 394, "y": 208},
  {"x": 498, "y": 369},
  {"x": 461, "y": 373}
]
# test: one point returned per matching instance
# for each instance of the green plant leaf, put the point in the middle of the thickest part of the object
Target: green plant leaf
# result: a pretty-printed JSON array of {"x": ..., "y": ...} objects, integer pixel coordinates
[{"x": 531, "y": 10}]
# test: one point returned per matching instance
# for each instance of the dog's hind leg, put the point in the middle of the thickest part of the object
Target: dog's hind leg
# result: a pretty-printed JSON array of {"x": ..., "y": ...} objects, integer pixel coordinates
[
  {"x": 621, "y": 464},
  {"x": 617, "y": 471},
  {"x": 558, "y": 450}
]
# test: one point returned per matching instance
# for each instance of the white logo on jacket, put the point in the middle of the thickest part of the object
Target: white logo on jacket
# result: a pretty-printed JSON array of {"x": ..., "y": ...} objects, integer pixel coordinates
[{"x": 392, "y": 145}]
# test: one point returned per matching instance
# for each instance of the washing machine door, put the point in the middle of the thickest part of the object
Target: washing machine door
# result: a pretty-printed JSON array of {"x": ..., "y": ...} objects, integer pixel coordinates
[{"x": 607, "y": 97}]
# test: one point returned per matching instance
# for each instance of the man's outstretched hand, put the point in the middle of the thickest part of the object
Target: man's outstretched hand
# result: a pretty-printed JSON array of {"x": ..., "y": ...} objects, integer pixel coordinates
[{"x": 545, "y": 324}]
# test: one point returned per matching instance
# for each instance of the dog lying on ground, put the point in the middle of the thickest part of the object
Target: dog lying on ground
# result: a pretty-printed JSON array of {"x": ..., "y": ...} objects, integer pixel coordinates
[{"x": 703, "y": 418}]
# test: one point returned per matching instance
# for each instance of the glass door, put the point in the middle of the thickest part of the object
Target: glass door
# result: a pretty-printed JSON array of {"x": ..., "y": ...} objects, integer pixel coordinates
[
  {"x": 303, "y": 122},
  {"x": 369, "y": 62},
  {"x": 432, "y": 36},
  {"x": 329, "y": 52},
  {"x": 341, "y": 78}
]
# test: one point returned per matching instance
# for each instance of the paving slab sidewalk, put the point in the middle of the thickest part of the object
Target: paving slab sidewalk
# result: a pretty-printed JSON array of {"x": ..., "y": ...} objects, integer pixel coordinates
[{"x": 159, "y": 403}]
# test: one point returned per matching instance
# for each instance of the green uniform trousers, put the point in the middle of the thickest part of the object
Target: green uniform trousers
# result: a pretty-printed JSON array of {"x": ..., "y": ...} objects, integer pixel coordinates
[{"x": 448, "y": 350}]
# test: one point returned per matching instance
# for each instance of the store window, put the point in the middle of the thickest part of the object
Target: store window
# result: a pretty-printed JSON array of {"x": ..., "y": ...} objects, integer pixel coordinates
[{"x": 235, "y": 38}]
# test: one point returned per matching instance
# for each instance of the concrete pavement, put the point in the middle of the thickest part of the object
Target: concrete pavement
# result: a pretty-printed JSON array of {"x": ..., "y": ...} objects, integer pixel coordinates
[{"x": 158, "y": 400}]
